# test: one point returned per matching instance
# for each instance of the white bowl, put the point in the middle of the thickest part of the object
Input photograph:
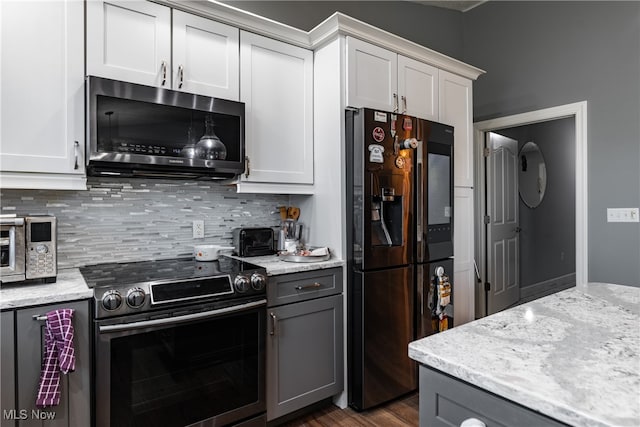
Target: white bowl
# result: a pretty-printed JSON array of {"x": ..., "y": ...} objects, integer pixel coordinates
[{"x": 209, "y": 252}]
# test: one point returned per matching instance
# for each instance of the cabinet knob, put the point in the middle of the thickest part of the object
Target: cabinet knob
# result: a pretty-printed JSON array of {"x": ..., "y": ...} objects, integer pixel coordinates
[{"x": 472, "y": 422}]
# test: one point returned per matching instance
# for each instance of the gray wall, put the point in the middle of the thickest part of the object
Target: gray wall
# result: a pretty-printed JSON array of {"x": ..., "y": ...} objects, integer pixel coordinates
[
  {"x": 118, "y": 220},
  {"x": 547, "y": 239},
  {"x": 437, "y": 28},
  {"x": 544, "y": 54}
]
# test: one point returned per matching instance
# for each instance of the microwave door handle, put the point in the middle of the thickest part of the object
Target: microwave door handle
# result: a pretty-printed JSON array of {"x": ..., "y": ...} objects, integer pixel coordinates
[{"x": 181, "y": 319}]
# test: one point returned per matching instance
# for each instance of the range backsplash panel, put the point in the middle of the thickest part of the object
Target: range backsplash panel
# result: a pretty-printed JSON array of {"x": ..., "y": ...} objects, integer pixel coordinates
[{"x": 141, "y": 219}]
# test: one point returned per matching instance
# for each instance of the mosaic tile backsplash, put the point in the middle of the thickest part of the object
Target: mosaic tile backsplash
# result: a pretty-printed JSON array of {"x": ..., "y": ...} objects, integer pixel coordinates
[{"x": 118, "y": 220}]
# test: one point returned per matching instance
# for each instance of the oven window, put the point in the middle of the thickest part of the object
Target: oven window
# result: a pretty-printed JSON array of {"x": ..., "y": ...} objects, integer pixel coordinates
[
  {"x": 439, "y": 183},
  {"x": 187, "y": 373}
]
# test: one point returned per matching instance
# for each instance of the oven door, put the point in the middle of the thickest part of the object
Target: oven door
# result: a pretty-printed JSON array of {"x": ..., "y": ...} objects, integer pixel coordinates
[
  {"x": 181, "y": 369},
  {"x": 12, "y": 245}
]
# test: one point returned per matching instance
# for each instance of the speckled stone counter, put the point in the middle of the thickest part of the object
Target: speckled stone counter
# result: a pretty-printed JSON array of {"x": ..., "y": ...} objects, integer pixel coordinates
[
  {"x": 276, "y": 266},
  {"x": 573, "y": 356},
  {"x": 69, "y": 286}
]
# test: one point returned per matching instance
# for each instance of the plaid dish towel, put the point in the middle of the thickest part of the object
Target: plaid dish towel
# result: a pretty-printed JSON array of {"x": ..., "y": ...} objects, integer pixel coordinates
[{"x": 59, "y": 356}]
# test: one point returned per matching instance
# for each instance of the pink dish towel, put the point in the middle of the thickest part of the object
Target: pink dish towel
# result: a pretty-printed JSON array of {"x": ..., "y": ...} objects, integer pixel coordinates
[{"x": 59, "y": 356}]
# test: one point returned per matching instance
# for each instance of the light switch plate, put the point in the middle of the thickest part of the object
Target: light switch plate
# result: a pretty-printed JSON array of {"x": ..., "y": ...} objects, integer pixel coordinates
[
  {"x": 623, "y": 215},
  {"x": 198, "y": 229}
]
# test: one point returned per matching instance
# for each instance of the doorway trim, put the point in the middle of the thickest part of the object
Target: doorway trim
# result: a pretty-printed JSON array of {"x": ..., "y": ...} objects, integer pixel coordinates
[{"x": 576, "y": 110}]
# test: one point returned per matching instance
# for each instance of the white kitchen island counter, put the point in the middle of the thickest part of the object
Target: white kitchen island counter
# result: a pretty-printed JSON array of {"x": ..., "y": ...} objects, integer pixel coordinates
[{"x": 573, "y": 356}]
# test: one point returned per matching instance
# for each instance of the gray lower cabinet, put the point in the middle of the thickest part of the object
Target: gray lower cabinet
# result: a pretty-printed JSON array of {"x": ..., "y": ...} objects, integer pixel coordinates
[
  {"x": 304, "y": 340},
  {"x": 7, "y": 368},
  {"x": 75, "y": 400},
  {"x": 447, "y": 401}
]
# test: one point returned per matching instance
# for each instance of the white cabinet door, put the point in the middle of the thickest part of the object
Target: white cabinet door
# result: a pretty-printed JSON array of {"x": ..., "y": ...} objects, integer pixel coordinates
[
  {"x": 276, "y": 85},
  {"x": 456, "y": 109},
  {"x": 42, "y": 94},
  {"x": 129, "y": 41},
  {"x": 418, "y": 88},
  {"x": 372, "y": 76},
  {"x": 463, "y": 263},
  {"x": 205, "y": 57}
]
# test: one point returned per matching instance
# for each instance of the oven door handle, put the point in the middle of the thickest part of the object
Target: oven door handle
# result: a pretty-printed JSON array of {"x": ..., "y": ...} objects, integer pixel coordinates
[{"x": 181, "y": 319}]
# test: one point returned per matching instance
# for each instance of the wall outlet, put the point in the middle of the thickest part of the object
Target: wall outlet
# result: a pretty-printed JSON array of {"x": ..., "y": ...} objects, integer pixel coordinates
[
  {"x": 198, "y": 229},
  {"x": 623, "y": 215}
]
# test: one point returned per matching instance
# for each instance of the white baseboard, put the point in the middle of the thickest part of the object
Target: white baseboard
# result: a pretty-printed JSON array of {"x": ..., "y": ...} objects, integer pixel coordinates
[{"x": 547, "y": 287}]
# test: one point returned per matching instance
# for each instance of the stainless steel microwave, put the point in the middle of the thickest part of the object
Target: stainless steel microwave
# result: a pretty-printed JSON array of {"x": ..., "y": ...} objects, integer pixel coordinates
[
  {"x": 28, "y": 248},
  {"x": 137, "y": 130}
]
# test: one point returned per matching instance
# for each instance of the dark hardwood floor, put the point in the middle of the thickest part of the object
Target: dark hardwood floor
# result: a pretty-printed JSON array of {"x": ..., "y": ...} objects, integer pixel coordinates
[{"x": 399, "y": 413}]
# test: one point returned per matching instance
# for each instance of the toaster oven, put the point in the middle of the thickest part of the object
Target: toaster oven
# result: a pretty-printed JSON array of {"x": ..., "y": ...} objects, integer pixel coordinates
[
  {"x": 254, "y": 241},
  {"x": 28, "y": 248}
]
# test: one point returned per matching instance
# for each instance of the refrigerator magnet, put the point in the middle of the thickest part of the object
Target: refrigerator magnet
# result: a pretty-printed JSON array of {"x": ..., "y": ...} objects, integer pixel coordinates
[
  {"x": 379, "y": 116},
  {"x": 378, "y": 134},
  {"x": 375, "y": 153}
]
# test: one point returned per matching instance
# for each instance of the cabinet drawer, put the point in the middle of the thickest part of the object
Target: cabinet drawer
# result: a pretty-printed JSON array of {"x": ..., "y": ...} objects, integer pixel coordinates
[
  {"x": 446, "y": 401},
  {"x": 295, "y": 287}
]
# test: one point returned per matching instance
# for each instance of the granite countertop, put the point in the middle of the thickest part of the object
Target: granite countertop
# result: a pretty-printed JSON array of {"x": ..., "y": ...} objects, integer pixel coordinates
[
  {"x": 573, "y": 356},
  {"x": 69, "y": 286},
  {"x": 276, "y": 266}
]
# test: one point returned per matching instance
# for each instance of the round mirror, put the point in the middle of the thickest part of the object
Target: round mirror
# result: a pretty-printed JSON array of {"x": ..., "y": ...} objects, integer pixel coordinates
[{"x": 532, "y": 175}]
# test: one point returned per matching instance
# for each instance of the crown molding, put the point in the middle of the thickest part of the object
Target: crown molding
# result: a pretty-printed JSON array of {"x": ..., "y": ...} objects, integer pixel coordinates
[{"x": 334, "y": 26}]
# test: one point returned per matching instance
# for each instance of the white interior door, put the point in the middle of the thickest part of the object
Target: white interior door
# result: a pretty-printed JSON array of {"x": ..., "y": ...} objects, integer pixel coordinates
[{"x": 503, "y": 227}]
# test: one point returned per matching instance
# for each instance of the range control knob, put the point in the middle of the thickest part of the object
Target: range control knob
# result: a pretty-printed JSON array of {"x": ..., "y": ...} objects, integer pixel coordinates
[
  {"x": 111, "y": 300},
  {"x": 135, "y": 297},
  {"x": 258, "y": 281},
  {"x": 241, "y": 283}
]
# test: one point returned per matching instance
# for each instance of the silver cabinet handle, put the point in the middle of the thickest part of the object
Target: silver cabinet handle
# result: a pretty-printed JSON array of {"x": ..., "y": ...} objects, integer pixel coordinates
[
  {"x": 404, "y": 104},
  {"x": 76, "y": 147},
  {"x": 315, "y": 285},
  {"x": 274, "y": 321},
  {"x": 247, "y": 164},
  {"x": 164, "y": 73},
  {"x": 181, "y": 73},
  {"x": 39, "y": 317},
  {"x": 395, "y": 102}
]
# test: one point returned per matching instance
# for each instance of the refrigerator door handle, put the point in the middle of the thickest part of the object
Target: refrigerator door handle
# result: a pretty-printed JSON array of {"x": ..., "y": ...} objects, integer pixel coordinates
[{"x": 420, "y": 199}]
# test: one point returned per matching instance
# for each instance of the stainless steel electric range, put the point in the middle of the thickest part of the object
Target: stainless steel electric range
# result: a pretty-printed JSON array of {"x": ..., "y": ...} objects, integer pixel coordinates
[{"x": 179, "y": 343}]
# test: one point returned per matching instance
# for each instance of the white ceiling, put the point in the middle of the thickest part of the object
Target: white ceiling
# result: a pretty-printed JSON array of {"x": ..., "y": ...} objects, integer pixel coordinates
[{"x": 462, "y": 6}]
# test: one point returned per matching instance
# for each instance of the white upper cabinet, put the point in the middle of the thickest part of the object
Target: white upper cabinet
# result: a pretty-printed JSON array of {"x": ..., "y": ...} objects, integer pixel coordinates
[
  {"x": 372, "y": 76},
  {"x": 205, "y": 56},
  {"x": 276, "y": 85},
  {"x": 42, "y": 95},
  {"x": 129, "y": 41},
  {"x": 134, "y": 41},
  {"x": 417, "y": 88},
  {"x": 456, "y": 109},
  {"x": 382, "y": 79}
]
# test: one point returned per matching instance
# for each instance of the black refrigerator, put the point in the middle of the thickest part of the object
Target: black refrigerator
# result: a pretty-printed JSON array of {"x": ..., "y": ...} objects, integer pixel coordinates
[{"x": 399, "y": 247}]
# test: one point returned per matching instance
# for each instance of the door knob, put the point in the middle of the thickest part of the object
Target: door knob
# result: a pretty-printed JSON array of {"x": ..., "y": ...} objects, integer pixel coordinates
[{"x": 517, "y": 229}]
